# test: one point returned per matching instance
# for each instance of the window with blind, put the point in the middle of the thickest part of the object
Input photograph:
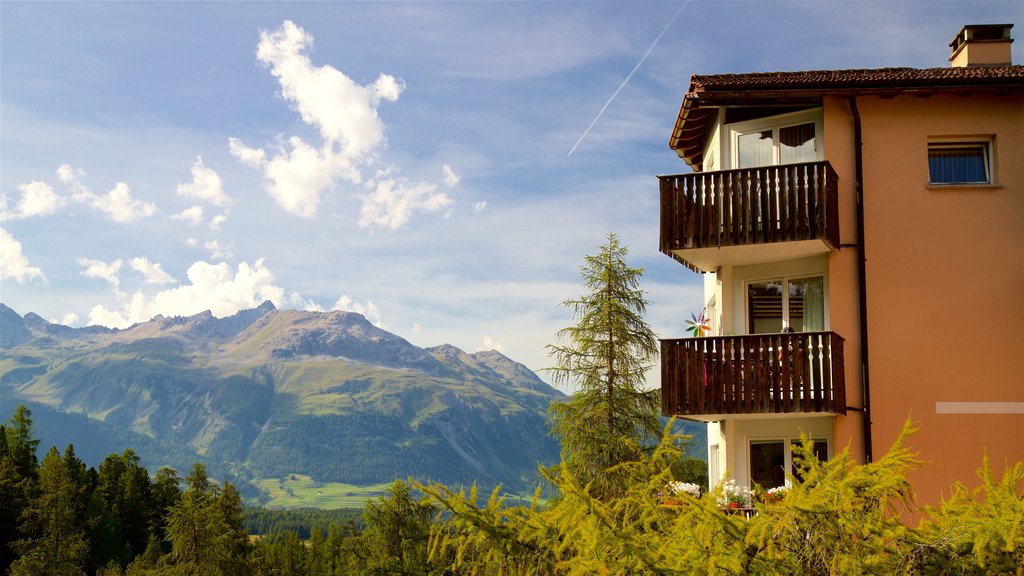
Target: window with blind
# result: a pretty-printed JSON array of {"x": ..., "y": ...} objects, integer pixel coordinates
[
  {"x": 797, "y": 303},
  {"x": 963, "y": 163}
]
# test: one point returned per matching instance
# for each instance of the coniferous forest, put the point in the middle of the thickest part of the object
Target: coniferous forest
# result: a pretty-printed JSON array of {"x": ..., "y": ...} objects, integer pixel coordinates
[{"x": 625, "y": 499}]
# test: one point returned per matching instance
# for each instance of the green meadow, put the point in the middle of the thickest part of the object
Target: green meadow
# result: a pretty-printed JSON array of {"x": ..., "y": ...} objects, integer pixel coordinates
[{"x": 300, "y": 491}]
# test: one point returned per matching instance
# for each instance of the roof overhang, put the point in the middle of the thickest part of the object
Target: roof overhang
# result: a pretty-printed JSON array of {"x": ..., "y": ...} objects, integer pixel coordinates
[{"x": 709, "y": 93}]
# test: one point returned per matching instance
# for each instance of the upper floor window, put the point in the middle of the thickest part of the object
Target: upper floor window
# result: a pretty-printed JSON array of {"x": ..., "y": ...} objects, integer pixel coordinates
[
  {"x": 783, "y": 139},
  {"x": 959, "y": 163}
]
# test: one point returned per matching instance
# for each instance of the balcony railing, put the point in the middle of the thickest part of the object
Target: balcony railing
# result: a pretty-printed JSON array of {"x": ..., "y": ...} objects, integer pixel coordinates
[
  {"x": 755, "y": 374},
  {"x": 786, "y": 203}
]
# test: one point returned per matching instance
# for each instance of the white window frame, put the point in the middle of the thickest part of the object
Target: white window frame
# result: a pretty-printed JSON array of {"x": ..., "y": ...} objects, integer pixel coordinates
[
  {"x": 787, "y": 450},
  {"x": 735, "y": 130},
  {"x": 985, "y": 144},
  {"x": 785, "y": 279}
]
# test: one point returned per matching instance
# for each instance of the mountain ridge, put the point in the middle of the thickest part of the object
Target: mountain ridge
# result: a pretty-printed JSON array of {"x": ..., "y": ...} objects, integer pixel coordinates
[{"x": 268, "y": 392}]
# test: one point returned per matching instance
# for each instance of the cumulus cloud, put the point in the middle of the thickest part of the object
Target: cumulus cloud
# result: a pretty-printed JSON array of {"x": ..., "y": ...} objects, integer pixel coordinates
[
  {"x": 108, "y": 272},
  {"x": 193, "y": 215},
  {"x": 69, "y": 319},
  {"x": 152, "y": 272},
  {"x": 490, "y": 344},
  {"x": 72, "y": 177},
  {"x": 254, "y": 157},
  {"x": 344, "y": 113},
  {"x": 369, "y": 310},
  {"x": 297, "y": 176},
  {"x": 206, "y": 186},
  {"x": 118, "y": 204},
  {"x": 37, "y": 199},
  {"x": 14, "y": 265},
  {"x": 451, "y": 179},
  {"x": 214, "y": 287},
  {"x": 217, "y": 220},
  {"x": 393, "y": 202},
  {"x": 480, "y": 206},
  {"x": 296, "y": 300},
  {"x": 218, "y": 252}
]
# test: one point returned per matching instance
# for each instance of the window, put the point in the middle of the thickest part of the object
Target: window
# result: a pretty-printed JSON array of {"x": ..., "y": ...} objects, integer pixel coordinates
[
  {"x": 959, "y": 163},
  {"x": 783, "y": 139},
  {"x": 771, "y": 460},
  {"x": 797, "y": 303}
]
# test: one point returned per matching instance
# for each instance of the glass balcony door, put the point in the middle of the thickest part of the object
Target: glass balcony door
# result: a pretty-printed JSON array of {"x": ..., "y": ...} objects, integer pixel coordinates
[
  {"x": 783, "y": 139},
  {"x": 777, "y": 304}
]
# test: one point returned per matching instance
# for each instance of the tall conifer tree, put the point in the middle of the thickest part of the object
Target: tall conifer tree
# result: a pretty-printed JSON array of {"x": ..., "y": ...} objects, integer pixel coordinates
[{"x": 606, "y": 355}]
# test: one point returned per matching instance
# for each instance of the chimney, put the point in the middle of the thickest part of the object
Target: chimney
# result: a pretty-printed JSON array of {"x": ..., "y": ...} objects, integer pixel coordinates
[{"x": 981, "y": 45}]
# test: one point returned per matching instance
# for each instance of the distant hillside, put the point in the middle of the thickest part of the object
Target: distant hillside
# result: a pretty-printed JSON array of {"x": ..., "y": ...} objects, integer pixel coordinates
[{"x": 270, "y": 392}]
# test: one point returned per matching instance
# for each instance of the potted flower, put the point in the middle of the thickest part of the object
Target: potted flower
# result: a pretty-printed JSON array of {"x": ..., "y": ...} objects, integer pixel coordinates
[
  {"x": 673, "y": 489},
  {"x": 733, "y": 496},
  {"x": 776, "y": 495}
]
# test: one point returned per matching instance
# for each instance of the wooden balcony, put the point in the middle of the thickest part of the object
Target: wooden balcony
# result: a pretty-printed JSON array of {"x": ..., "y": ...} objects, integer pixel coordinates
[
  {"x": 735, "y": 217},
  {"x": 711, "y": 378}
]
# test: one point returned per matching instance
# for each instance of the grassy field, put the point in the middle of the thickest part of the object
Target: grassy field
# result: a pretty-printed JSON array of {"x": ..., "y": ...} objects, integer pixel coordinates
[{"x": 299, "y": 491}]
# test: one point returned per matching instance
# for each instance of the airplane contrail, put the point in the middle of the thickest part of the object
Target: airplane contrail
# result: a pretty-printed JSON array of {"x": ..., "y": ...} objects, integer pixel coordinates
[{"x": 628, "y": 77}]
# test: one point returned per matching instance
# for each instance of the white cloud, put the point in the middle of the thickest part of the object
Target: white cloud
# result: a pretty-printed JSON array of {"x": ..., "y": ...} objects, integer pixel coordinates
[
  {"x": 37, "y": 199},
  {"x": 69, "y": 319},
  {"x": 192, "y": 242},
  {"x": 218, "y": 252},
  {"x": 152, "y": 273},
  {"x": 217, "y": 220},
  {"x": 73, "y": 178},
  {"x": 344, "y": 112},
  {"x": 206, "y": 185},
  {"x": 490, "y": 344},
  {"x": 450, "y": 177},
  {"x": 296, "y": 177},
  {"x": 102, "y": 270},
  {"x": 214, "y": 287},
  {"x": 254, "y": 157},
  {"x": 296, "y": 300},
  {"x": 370, "y": 310},
  {"x": 121, "y": 207},
  {"x": 393, "y": 201},
  {"x": 13, "y": 265},
  {"x": 193, "y": 215},
  {"x": 118, "y": 204},
  {"x": 480, "y": 206}
]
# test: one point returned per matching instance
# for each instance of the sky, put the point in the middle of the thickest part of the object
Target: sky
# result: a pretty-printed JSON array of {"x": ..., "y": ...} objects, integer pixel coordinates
[{"x": 440, "y": 167}]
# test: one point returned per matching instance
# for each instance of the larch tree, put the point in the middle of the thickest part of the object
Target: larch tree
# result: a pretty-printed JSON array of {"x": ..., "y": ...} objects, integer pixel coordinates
[{"x": 605, "y": 354}]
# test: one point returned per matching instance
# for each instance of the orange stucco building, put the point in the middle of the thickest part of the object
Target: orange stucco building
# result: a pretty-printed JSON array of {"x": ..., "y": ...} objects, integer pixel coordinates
[{"x": 861, "y": 236}]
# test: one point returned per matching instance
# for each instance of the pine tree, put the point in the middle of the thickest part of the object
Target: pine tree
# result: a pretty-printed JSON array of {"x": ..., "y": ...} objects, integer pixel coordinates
[
  {"x": 54, "y": 542},
  {"x": 606, "y": 355}
]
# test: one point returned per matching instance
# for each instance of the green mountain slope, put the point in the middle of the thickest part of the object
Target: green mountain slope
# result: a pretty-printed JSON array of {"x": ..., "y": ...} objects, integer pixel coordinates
[{"x": 266, "y": 393}]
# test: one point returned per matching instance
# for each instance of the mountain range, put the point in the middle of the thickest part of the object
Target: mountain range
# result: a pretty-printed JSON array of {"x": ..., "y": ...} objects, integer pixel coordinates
[{"x": 266, "y": 392}]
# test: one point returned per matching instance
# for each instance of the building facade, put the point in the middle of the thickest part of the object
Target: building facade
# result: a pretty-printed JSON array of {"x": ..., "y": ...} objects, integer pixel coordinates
[{"x": 861, "y": 237}]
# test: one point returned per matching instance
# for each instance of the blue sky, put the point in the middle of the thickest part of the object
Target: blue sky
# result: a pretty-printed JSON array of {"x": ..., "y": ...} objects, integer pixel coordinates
[{"x": 409, "y": 161}]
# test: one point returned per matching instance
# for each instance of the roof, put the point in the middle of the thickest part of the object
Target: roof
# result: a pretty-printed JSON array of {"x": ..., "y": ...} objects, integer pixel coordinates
[{"x": 808, "y": 87}]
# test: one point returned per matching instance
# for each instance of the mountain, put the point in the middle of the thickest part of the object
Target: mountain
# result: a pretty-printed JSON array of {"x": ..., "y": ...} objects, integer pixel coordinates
[{"x": 268, "y": 392}]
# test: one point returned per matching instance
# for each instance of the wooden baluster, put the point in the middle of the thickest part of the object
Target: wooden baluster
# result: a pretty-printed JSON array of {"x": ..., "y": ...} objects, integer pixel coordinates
[{"x": 727, "y": 210}]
